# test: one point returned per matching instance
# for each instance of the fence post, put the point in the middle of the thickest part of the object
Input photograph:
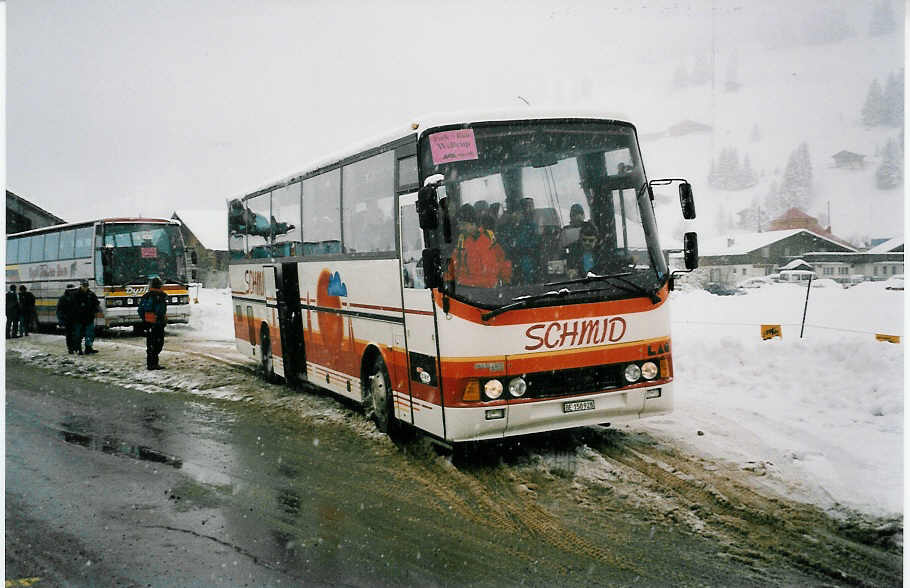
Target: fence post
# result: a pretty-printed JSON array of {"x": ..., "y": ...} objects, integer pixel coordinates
[{"x": 805, "y": 308}]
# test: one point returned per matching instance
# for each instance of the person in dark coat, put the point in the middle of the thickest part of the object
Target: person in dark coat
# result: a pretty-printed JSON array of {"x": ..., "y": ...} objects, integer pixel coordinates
[
  {"x": 27, "y": 319},
  {"x": 153, "y": 311},
  {"x": 12, "y": 313},
  {"x": 65, "y": 307},
  {"x": 86, "y": 305}
]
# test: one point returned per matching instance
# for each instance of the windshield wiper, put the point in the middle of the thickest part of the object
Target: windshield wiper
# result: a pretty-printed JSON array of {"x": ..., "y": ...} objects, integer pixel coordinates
[
  {"x": 635, "y": 288},
  {"x": 521, "y": 301}
]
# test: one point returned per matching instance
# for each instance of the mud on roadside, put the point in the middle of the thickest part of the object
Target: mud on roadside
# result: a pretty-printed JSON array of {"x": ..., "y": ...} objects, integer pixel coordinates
[{"x": 565, "y": 487}]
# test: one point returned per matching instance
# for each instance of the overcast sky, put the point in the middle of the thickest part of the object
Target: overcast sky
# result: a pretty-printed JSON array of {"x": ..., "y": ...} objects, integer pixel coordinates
[{"x": 122, "y": 107}]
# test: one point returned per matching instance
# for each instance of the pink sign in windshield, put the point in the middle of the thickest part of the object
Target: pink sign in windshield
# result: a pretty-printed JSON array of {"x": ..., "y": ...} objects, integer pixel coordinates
[
  {"x": 453, "y": 146},
  {"x": 149, "y": 252}
]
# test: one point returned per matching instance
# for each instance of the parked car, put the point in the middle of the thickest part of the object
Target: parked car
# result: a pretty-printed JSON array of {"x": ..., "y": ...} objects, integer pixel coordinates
[
  {"x": 895, "y": 282},
  {"x": 826, "y": 283},
  {"x": 757, "y": 282},
  {"x": 721, "y": 289}
]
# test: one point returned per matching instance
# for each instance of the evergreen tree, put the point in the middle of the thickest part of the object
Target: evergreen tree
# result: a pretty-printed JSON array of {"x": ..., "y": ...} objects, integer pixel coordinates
[
  {"x": 796, "y": 185},
  {"x": 890, "y": 172},
  {"x": 773, "y": 205},
  {"x": 874, "y": 106},
  {"x": 893, "y": 101},
  {"x": 745, "y": 178},
  {"x": 883, "y": 21}
]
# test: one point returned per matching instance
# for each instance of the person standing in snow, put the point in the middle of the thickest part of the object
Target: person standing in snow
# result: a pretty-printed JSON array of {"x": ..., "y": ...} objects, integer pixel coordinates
[
  {"x": 12, "y": 313},
  {"x": 65, "y": 316},
  {"x": 85, "y": 307},
  {"x": 27, "y": 319},
  {"x": 153, "y": 312}
]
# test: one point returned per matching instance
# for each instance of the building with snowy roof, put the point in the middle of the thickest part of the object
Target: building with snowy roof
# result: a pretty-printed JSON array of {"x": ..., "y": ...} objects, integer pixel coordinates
[{"x": 732, "y": 258}]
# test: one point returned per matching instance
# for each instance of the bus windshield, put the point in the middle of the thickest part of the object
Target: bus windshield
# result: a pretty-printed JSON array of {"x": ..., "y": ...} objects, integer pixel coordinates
[
  {"x": 141, "y": 251},
  {"x": 531, "y": 208}
]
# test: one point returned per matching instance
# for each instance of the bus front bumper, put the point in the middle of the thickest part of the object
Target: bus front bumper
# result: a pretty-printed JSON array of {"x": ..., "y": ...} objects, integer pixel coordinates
[
  {"x": 537, "y": 416},
  {"x": 124, "y": 317}
]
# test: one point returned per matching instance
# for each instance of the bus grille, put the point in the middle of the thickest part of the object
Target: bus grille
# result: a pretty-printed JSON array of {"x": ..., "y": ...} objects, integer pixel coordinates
[{"x": 572, "y": 381}]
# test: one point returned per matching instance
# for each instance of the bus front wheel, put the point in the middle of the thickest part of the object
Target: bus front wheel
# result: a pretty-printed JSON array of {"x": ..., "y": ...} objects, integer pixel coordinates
[{"x": 378, "y": 397}]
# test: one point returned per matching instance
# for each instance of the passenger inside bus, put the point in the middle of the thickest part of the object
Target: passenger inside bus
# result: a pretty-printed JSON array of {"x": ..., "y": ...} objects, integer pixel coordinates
[
  {"x": 583, "y": 253},
  {"x": 518, "y": 232},
  {"x": 571, "y": 231},
  {"x": 478, "y": 259}
]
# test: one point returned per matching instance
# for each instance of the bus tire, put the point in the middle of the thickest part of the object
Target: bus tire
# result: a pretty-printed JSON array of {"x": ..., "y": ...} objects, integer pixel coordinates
[
  {"x": 378, "y": 397},
  {"x": 265, "y": 352},
  {"x": 139, "y": 330}
]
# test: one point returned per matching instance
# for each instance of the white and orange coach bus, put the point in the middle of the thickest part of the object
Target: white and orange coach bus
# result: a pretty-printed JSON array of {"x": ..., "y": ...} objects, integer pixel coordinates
[
  {"x": 344, "y": 277},
  {"x": 117, "y": 256}
]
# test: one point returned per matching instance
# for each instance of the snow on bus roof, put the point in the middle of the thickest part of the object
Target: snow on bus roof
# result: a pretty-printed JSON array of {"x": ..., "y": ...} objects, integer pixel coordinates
[
  {"x": 65, "y": 226},
  {"x": 421, "y": 124}
]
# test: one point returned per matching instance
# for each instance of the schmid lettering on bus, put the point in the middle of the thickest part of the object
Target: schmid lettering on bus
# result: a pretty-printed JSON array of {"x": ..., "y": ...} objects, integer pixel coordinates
[{"x": 580, "y": 332}]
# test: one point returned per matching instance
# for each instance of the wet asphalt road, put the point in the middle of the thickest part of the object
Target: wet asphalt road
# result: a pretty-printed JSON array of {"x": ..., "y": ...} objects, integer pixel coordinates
[{"x": 110, "y": 486}]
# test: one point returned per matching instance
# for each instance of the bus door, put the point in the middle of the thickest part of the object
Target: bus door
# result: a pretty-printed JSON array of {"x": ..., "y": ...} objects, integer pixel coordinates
[
  {"x": 424, "y": 408},
  {"x": 287, "y": 291}
]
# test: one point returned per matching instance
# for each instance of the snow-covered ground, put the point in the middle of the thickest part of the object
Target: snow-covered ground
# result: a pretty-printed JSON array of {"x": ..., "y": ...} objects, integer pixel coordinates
[{"x": 819, "y": 419}]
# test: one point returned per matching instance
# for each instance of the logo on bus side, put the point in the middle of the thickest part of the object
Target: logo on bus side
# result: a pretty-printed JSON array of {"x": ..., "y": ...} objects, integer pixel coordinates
[
  {"x": 136, "y": 290},
  {"x": 574, "y": 333}
]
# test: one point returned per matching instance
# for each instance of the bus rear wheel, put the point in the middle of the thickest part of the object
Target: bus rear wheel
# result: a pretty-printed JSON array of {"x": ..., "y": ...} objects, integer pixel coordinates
[{"x": 378, "y": 397}]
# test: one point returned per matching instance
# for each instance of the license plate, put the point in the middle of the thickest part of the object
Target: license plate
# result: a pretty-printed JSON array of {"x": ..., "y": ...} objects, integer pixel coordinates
[{"x": 578, "y": 405}]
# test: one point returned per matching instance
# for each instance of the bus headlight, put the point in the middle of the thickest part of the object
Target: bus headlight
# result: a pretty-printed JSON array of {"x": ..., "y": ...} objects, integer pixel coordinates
[
  {"x": 518, "y": 387},
  {"x": 492, "y": 389},
  {"x": 632, "y": 373},
  {"x": 649, "y": 370}
]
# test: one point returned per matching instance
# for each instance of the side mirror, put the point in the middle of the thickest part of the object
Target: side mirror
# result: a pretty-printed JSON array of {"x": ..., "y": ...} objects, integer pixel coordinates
[
  {"x": 690, "y": 250},
  {"x": 432, "y": 267},
  {"x": 428, "y": 208},
  {"x": 687, "y": 201}
]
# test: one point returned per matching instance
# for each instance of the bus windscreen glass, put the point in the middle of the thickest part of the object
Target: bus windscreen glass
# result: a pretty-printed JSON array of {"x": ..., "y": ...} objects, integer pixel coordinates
[
  {"x": 142, "y": 251},
  {"x": 535, "y": 207}
]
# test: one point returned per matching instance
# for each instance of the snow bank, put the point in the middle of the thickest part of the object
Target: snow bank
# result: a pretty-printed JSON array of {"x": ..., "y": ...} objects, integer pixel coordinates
[{"x": 825, "y": 410}]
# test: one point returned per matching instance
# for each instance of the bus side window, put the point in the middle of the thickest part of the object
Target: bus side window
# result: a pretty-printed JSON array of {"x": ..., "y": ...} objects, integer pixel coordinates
[
  {"x": 286, "y": 221},
  {"x": 37, "y": 248},
  {"x": 411, "y": 248},
  {"x": 320, "y": 203},
  {"x": 12, "y": 250},
  {"x": 51, "y": 246},
  {"x": 258, "y": 227},
  {"x": 369, "y": 191},
  {"x": 25, "y": 244},
  {"x": 84, "y": 241},
  {"x": 67, "y": 244}
]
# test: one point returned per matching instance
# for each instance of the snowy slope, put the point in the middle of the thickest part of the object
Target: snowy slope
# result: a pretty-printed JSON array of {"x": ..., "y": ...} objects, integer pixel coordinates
[{"x": 792, "y": 95}]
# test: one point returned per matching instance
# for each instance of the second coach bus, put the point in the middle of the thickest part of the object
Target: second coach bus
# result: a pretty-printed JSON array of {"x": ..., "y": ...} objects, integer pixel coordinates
[
  {"x": 474, "y": 278},
  {"x": 117, "y": 256}
]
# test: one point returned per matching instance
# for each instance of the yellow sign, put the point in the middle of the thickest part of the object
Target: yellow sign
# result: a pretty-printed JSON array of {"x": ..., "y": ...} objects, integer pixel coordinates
[
  {"x": 888, "y": 338},
  {"x": 770, "y": 331}
]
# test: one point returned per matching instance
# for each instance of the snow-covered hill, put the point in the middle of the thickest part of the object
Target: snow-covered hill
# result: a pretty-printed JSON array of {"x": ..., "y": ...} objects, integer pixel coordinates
[{"x": 811, "y": 94}]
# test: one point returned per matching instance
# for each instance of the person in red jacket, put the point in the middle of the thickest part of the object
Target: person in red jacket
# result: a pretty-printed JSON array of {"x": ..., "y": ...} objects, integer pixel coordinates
[{"x": 478, "y": 260}]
